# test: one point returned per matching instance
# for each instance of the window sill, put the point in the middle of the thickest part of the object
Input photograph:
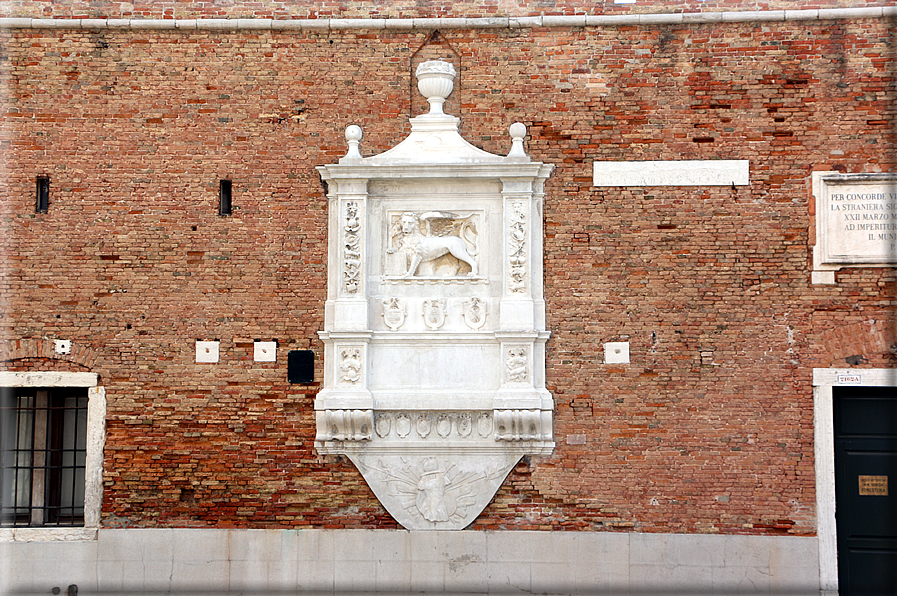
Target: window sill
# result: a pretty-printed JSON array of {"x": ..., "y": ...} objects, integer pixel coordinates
[{"x": 47, "y": 534}]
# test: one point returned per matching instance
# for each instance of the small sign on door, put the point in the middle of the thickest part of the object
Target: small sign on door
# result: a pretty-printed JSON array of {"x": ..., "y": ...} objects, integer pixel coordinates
[{"x": 875, "y": 486}]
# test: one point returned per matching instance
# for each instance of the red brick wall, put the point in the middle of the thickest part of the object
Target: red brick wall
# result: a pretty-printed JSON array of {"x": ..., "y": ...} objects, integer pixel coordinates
[
  {"x": 133, "y": 264},
  {"x": 187, "y": 9}
]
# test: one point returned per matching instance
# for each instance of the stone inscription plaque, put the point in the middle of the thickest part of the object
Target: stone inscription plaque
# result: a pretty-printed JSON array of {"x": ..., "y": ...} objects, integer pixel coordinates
[
  {"x": 862, "y": 222},
  {"x": 876, "y": 486},
  {"x": 856, "y": 220}
]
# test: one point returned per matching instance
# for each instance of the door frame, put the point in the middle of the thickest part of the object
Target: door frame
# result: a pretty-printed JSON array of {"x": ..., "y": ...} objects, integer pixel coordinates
[{"x": 824, "y": 379}]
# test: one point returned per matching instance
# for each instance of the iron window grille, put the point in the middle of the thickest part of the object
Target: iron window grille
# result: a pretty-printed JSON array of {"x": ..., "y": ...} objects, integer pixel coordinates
[{"x": 43, "y": 449}]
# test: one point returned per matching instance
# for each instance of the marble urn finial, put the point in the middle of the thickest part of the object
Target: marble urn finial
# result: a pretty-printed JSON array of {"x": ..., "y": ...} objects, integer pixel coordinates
[{"x": 435, "y": 81}]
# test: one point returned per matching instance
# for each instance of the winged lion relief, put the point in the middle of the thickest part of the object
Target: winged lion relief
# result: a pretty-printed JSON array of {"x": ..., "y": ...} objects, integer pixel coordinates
[{"x": 433, "y": 244}]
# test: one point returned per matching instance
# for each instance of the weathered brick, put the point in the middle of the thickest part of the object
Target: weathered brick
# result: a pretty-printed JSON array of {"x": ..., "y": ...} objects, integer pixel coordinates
[{"x": 709, "y": 429}]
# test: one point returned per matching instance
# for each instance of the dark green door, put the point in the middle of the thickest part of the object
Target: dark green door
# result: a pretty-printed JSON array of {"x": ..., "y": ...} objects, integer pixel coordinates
[{"x": 866, "y": 489}]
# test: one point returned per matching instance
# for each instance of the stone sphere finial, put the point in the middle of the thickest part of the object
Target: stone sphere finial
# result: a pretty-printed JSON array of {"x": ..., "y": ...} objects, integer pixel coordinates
[
  {"x": 518, "y": 131},
  {"x": 435, "y": 81},
  {"x": 353, "y": 132},
  {"x": 353, "y": 138}
]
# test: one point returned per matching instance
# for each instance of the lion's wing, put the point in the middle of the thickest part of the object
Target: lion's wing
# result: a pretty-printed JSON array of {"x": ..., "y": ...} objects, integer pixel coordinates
[{"x": 440, "y": 223}]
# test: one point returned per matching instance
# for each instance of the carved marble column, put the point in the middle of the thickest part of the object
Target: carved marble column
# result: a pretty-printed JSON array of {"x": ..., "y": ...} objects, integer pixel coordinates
[{"x": 345, "y": 400}]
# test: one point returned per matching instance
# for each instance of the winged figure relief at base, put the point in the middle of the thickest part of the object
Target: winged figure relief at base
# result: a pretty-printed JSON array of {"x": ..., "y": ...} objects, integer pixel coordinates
[{"x": 434, "y": 490}]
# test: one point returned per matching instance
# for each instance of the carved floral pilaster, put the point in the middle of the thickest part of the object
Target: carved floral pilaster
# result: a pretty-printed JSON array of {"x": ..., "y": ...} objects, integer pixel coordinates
[
  {"x": 352, "y": 249},
  {"x": 517, "y": 248}
]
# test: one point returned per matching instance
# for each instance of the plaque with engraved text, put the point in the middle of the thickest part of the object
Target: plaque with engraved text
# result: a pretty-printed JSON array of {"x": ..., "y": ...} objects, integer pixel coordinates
[
  {"x": 875, "y": 486},
  {"x": 856, "y": 220}
]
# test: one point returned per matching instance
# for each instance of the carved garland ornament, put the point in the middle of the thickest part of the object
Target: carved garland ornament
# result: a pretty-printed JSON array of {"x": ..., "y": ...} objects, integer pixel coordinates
[
  {"x": 517, "y": 248},
  {"x": 352, "y": 252},
  {"x": 517, "y": 366},
  {"x": 350, "y": 365}
]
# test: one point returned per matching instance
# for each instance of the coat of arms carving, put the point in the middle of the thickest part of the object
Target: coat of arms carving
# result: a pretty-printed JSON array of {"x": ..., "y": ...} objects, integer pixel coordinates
[
  {"x": 394, "y": 313},
  {"x": 434, "y": 313}
]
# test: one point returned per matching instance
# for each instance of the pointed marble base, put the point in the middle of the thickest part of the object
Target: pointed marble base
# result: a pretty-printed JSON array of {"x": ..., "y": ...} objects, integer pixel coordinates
[{"x": 435, "y": 492}]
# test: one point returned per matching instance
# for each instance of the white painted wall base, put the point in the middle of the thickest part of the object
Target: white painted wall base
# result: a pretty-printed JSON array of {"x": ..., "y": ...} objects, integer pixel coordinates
[{"x": 345, "y": 561}]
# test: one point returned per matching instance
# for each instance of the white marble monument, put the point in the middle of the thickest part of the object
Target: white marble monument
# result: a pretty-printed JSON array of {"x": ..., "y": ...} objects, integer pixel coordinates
[{"x": 434, "y": 330}]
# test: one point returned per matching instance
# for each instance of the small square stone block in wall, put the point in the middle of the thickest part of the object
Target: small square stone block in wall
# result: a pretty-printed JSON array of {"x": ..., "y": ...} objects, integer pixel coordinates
[
  {"x": 207, "y": 352},
  {"x": 616, "y": 352},
  {"x": 265, "y": 351}
]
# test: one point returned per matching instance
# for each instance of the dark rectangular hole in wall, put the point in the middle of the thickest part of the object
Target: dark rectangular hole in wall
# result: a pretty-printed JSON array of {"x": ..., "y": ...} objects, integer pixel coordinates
[
  {"x": 42, "y": 203},
  {"x": 224, "y": 197},
  {"x": 301, "y": 366}
]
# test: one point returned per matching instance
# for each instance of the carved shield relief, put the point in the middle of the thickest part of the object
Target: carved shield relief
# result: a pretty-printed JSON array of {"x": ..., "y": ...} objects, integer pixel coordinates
[
  {"x": 394, "y": 313},
  {"x": 434, "y": 313}
]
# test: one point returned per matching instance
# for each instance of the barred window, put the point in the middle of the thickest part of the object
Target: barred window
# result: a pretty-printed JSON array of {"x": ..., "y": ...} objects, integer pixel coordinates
[{"x": 43, "y": 447}]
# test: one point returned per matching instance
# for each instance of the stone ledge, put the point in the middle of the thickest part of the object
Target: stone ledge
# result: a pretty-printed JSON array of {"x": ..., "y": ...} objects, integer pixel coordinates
[
  {"x": 48, "y": 534},
  {"x": 47, "y": 379},
  {"x": 691, "y": 18},
  {"x": 391, "y": 561}
]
